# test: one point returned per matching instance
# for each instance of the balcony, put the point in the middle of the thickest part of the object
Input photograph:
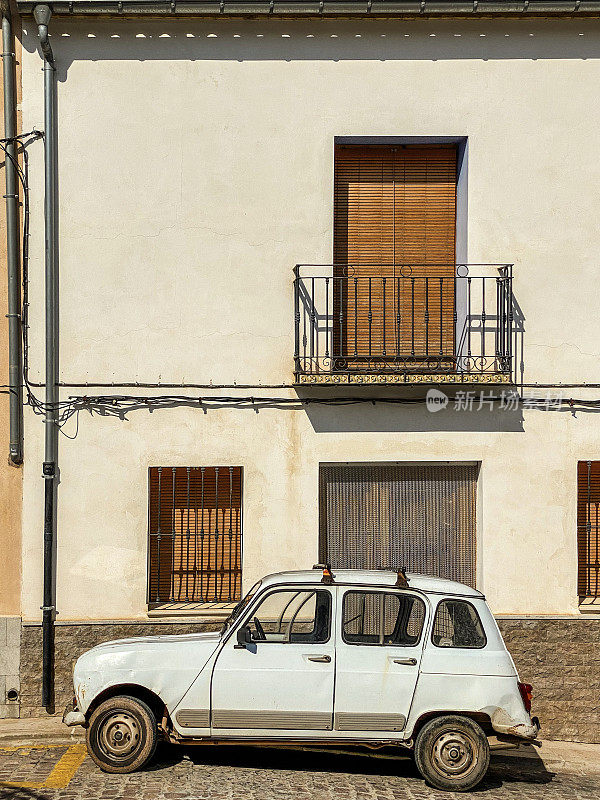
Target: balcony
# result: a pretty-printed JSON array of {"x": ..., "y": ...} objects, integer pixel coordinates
[{"x": 403, "y": 324}]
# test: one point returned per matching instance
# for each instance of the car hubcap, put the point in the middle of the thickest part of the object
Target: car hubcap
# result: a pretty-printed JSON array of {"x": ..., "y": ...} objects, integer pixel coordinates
[
  {"x": 454, "y": 754},
  {"x": 119, "y": 735}
]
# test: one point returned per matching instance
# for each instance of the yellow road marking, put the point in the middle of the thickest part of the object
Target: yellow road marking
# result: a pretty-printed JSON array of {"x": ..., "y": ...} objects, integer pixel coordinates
[
  {"x": 67, "y": 766},
  {"x": 63, "y": 772}
]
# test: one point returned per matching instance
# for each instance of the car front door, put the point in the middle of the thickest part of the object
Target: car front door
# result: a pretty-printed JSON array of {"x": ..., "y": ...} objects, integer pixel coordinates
[
  {"x": 281, "y": 682},
  {"x": 379, "y": 648}
]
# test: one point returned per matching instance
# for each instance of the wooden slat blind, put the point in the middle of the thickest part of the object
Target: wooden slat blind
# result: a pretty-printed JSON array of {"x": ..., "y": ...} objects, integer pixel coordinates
[
  {"x": 195, "y": 534},
  {"x": 588, "y": 528},
  {"x": 395, "y": 206}
]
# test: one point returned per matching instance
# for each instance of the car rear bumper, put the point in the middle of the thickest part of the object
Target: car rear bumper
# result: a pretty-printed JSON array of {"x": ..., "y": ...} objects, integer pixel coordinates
[{"x": 527, "y": 731}]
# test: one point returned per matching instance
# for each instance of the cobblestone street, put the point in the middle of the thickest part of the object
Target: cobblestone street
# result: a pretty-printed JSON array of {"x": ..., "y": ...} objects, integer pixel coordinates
[{"x": 229, "y": 773}]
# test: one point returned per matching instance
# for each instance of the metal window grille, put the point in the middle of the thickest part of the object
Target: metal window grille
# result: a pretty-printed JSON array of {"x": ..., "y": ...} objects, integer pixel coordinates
[
  {"x": 389, "y": 516},
  {"x": 194, "y": 534},
  {"x": 588, "y": 528}
]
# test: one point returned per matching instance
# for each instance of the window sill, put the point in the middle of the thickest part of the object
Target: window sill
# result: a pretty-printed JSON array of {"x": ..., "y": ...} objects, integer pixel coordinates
[
  {"x": 202, "y": 612},
  {"x": 589, "y": 605}
]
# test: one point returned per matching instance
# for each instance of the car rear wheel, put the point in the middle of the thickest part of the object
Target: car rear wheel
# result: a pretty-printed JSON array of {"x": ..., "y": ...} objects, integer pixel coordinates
[
  {"x": 122, "y": 734},
  {"x": 452, "y": 753}
]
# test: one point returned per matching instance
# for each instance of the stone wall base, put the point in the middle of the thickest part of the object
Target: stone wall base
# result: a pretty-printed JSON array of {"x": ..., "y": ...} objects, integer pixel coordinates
[{"x": 559, "y": 657}]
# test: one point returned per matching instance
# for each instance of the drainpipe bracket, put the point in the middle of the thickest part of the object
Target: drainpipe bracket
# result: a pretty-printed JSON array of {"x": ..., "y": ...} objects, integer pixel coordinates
[{"x": 42, "y": 14}]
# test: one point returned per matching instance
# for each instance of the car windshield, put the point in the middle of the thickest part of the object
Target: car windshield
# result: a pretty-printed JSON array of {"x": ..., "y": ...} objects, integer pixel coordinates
[{"x": 241, "y": 606}]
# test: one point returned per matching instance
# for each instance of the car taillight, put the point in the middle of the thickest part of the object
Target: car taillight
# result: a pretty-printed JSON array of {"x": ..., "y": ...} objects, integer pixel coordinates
[{"x": 526, "y": 691}]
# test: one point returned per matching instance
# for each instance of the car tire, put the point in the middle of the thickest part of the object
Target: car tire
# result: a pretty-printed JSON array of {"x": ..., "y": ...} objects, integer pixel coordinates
[
  {"x": 452, "y": 753},
  {"x": 122, "y": 734}
]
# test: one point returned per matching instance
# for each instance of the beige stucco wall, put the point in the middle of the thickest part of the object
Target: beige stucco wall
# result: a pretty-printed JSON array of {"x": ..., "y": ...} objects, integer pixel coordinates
[{"x": 196, "y": 166}]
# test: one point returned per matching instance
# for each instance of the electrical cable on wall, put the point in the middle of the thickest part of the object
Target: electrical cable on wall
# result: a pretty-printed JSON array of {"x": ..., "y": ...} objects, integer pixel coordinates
[{"x": 23, "y": 140}]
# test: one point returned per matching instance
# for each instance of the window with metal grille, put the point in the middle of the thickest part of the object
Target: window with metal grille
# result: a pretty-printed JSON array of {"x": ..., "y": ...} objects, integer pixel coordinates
[
  {"x": 588, "y": 528},
  {"x": 386, "y": 516},
  {"x": 194, "y": 534}
]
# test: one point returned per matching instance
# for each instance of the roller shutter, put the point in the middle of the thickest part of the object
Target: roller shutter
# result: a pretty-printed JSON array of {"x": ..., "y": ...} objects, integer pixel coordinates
[{"x": 391, "y": 516}]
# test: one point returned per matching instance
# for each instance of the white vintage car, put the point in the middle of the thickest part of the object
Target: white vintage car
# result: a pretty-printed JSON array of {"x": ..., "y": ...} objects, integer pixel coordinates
[{"x": 368, "y": 658}]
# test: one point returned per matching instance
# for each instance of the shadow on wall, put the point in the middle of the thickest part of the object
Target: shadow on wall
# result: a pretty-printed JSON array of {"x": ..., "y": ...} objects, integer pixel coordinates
[
  {"x": 467, "y": 410},
  {"x": 518, "y": 343},
  {"x": 316, "y": 40}
]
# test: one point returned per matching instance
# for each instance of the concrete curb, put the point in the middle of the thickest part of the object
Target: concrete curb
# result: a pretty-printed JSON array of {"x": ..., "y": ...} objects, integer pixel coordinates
[{"x": 32, "y": 731}]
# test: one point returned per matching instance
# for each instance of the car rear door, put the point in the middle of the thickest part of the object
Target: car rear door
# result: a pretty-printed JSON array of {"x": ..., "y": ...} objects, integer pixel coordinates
[
  {"x": 379, "y": 647},
  {"x": 281, "y": 683}
]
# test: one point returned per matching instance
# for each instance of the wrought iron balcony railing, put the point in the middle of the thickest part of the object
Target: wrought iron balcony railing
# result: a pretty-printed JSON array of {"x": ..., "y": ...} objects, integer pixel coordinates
[{"x": 403, "y": 323}]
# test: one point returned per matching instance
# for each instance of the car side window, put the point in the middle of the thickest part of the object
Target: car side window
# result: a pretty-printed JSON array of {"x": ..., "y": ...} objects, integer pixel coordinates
[
  {"x": 382, "y": 618},
  {"x": 457, "y": 624},
  {"x": 293, "y": 616}
]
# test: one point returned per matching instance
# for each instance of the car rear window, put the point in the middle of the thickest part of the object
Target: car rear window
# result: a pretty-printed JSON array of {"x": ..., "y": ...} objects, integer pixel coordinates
[{"x": 457, "y": 624}]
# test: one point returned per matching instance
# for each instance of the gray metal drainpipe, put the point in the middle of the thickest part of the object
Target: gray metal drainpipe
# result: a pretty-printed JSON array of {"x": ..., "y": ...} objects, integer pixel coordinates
[
  {"x": 15, "y": 376},
  {"x": 42, "y": 15}
]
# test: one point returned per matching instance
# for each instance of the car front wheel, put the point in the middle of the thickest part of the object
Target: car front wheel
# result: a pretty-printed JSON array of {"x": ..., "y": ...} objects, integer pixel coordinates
[
  {"x": 452, "y": 753},
  {"x": 122, "y": 734}
]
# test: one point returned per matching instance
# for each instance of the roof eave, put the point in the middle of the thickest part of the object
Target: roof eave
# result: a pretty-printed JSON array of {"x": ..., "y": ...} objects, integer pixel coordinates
[{"x": 322, "y": 8}]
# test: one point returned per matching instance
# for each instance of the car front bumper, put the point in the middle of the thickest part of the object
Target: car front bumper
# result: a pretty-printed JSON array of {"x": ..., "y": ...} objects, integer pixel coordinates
[{"x": 72, "y": 716}]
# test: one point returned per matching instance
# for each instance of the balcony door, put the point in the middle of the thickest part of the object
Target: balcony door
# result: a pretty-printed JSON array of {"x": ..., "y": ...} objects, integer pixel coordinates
[{"x": 394, "y": 255}]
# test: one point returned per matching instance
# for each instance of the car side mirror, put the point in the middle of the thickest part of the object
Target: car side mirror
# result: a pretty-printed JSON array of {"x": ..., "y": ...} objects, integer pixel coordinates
[{"x": 244, "y": 637}]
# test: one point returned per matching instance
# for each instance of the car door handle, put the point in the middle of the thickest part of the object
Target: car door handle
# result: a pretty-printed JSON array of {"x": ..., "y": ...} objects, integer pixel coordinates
[
  {"x": 320, "y": 659},
  {"x": 409, "y": 662}
]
